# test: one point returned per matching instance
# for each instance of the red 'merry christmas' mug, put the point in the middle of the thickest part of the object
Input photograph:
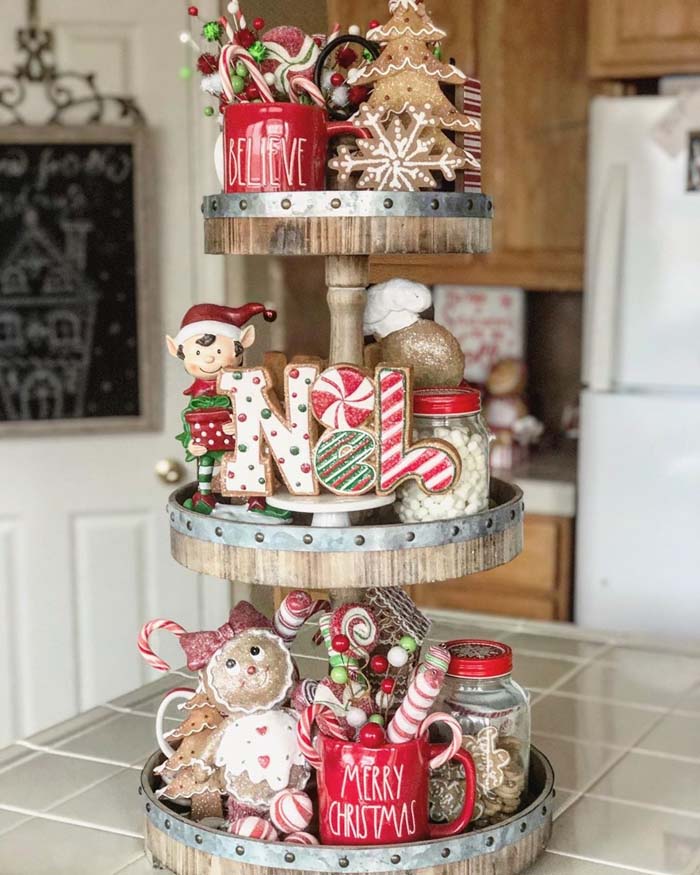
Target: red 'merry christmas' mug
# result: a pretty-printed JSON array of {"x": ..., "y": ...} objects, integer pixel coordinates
[
  {"x": 379, "y": 796},
  {"x": 278, "y": 146}
]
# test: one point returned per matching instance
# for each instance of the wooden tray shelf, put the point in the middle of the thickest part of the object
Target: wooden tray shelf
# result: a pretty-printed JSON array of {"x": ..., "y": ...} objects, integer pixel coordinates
[
  {"x": 188, "y": 848},
  {"x": 381, "y": 554},
  {"x": 347, "y": 223}
]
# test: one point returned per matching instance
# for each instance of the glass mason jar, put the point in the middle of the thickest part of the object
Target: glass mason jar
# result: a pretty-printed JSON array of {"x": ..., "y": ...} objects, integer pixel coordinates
[
  {"x": 494, "y": 713},
  {"x": 455, "y": 416}
]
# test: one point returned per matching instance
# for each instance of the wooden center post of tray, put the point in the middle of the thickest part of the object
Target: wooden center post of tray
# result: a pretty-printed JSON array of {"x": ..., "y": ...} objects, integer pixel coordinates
[{"x": 347, "y": 277}]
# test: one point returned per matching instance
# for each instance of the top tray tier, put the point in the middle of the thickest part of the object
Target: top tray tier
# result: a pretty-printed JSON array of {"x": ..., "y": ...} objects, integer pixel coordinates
[{"x": 347, "y": 223}]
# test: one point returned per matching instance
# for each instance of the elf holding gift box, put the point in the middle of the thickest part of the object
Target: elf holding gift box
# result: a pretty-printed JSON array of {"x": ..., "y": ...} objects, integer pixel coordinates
[{"x": 212, "y": 339}]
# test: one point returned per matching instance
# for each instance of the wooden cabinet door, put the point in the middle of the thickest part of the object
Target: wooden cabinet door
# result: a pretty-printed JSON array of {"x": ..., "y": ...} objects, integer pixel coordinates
[
  {"x": 531, "y": 59},
  {"x": 536, "y": 585},
  {"x": 637, "y": 38}
]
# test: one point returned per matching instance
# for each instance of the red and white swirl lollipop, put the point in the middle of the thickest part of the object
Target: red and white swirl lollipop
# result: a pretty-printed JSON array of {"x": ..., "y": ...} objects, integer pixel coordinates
[
  {"x": 342, "y": 397},
  {"x": 359, "y": 625}
]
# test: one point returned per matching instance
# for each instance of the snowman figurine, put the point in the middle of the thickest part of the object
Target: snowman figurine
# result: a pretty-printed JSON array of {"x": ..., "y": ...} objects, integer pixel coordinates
[{"x": 248, "y": 672}]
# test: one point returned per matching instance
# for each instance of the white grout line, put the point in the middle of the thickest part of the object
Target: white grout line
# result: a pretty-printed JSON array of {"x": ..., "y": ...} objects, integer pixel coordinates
[
  {"x": 647, "y": 806},
  {"x": 140, "y": 856},
  {"x": 603, "y": 700},
  {"x": 665, "y": 755},
  {"x": 69, "y": 754},
  {"x": 602, "y": 862},
  {"x": 71, "y": 821},
  {"x": 566, "y": 677},
  {"x": 558, "y": 813}
]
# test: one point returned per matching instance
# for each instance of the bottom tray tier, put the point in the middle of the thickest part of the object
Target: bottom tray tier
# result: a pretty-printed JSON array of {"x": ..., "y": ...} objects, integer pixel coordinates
[{"x": 188, "y": 848}]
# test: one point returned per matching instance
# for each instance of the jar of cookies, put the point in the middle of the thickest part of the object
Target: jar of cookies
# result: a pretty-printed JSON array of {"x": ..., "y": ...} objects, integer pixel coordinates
[
  {"x": 494, "y": 713},
  {"x": 455, "y": 416}
]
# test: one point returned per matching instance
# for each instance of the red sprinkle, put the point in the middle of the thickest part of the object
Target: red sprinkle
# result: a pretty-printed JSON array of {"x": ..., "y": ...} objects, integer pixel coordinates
[
  {"x": 337, "y": 79},
  {"x": 294, "y": 373},
  {"x": 306, "y": 468},
  {"x": 242, "y": 417}
]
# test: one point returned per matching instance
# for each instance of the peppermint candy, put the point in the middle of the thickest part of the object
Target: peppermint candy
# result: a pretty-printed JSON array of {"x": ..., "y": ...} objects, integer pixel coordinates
[
  {"x": 360, "y": 627},
  {"x": 342, "y": 397},
  {"x": 252, "y": 827},
  {"x": 291, "y": 811}
]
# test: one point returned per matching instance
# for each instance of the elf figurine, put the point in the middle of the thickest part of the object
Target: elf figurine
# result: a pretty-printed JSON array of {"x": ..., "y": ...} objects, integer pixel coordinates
[{"x": 212, "y": 339}]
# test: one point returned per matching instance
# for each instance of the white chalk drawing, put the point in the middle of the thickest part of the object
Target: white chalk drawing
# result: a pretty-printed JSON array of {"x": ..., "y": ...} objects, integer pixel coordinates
[{"x": 47, "y": 319}]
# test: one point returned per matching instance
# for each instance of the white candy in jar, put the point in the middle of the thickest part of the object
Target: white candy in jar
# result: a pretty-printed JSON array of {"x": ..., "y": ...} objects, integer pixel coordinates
[{"x": 452, "y": 415}]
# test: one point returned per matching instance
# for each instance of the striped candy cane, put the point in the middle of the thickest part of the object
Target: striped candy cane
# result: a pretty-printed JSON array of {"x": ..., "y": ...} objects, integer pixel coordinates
[
  {"x": 435, "y": 469},
  {"x": 453, "y": 746},
  {"x": 305, "y": 727},
  {"x": 420, "y": 696},
  {"x": 234, "y": 7},
  {"x": 299, "y": 85},
  {"x": 231, "y": 53},
  {"x": 436, "y": 657},
  {"x": 295, "y": 610},
  {"x": 145, "y": 648}
]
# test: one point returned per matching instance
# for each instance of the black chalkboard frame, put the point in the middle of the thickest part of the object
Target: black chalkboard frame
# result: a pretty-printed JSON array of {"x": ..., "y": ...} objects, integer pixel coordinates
[{"x": 148, "y": 416}]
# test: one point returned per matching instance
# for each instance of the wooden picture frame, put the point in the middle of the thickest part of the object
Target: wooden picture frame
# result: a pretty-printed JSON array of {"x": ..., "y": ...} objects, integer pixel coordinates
[{"x": 102, "y": 172}]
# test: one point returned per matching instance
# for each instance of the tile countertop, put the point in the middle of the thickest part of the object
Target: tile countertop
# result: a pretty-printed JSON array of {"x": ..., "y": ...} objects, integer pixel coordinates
[{"x": 619, "y": 719}]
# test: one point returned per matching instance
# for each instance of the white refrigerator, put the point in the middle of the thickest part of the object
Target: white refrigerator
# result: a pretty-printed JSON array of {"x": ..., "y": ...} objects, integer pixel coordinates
[{"x": 638, "y": 526}]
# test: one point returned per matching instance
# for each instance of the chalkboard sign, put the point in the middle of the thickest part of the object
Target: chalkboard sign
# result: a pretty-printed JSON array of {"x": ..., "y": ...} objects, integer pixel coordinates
[{"x": 75, "y": 308}]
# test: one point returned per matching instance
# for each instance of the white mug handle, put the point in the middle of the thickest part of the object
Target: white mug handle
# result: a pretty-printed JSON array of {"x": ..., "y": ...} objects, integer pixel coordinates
[{"x": 178, "y": 693}]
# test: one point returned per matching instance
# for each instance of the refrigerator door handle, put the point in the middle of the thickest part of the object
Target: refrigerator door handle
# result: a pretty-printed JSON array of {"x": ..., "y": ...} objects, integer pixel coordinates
[{"x": 605, "y": 285}]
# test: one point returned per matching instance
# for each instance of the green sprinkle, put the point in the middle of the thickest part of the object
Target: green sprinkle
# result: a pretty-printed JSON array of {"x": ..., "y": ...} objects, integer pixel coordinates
[
  {"x": 302, "y": 408},
  {"x": 294, "y": 451},
  {"x": 266, "y": 413},
  {"x": 242, "y": 448}
]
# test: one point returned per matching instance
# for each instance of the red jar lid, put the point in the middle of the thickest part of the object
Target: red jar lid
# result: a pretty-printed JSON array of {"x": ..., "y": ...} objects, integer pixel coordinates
[
  {"x": 446, "y": 401},
  {"x": 479, "y": 658}
]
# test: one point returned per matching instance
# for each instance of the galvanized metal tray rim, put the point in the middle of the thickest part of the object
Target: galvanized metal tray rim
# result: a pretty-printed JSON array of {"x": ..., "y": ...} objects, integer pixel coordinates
[
  {"x": 418, "y": 855},
  {"x": 335, "y": 204},
  {"x": 354, "y": 539}
]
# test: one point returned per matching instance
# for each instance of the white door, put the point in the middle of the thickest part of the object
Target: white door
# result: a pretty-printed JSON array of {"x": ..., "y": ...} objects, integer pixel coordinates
[{"x": 84, "y": 542}]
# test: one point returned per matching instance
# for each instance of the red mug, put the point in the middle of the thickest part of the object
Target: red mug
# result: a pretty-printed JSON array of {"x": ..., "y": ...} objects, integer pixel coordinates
[
  {"x": 278, "y": 146},
  {"x": 379, "y": 796}
]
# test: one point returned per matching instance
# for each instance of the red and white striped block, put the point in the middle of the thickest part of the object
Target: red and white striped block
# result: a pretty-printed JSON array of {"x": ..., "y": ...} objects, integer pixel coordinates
[
  {"x": 471, "y": 142},
  {"x": 422, "y": 693},
  {"x": 434, "y": 463}
]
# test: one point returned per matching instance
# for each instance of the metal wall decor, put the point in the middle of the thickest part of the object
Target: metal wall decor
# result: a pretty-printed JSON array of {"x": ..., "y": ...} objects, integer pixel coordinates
[{"x": 71, "y": 98}]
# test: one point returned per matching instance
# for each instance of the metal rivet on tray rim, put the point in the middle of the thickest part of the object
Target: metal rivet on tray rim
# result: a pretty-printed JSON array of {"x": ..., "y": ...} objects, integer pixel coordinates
[
  {"x": 286, "y": 204},
  {"x": 259, "y": 537},
  {"x": 199, "y": 839},
  {"x": 289, "y": 857},
  {"x": 359, "y": 540},
  {"x": 490, "y": 841},
  {"x": 395, "y": 858},
  {"x": 243, "y": 205},
  {"x": 240, "y": 850},
  {"x": 435, "y": 204},
  {"x": 343, "y": 862},
  {"x": 166, "y": 823},
  {"x": 388, "y": 203},
  {"x": 523, "y": 826},
  {"x": 411, "y": 536},
  {"x": 335, "y": 203},
  {"x": 218, "y": 531},
  {"x": 445, "y": 852},
  {"x": 189, "y": 525},
  {"x": 307, "y": 539},
  {"x": 148, "y": 806}
]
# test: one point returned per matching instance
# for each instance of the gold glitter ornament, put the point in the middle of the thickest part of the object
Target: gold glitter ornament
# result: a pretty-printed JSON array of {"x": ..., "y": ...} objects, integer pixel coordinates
[{"x": 434, "y": 354}]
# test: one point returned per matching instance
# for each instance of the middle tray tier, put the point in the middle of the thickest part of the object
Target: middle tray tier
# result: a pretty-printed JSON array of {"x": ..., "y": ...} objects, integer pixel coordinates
[{"x": 378, "y": 554}]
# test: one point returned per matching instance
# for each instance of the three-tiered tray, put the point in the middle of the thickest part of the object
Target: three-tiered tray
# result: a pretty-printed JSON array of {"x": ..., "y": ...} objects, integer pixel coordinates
[{"x": 347, "y": 227}]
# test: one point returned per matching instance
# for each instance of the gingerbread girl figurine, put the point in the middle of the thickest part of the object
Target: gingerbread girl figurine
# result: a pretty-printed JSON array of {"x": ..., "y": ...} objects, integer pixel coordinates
[{"x": 212, "y": 339}]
